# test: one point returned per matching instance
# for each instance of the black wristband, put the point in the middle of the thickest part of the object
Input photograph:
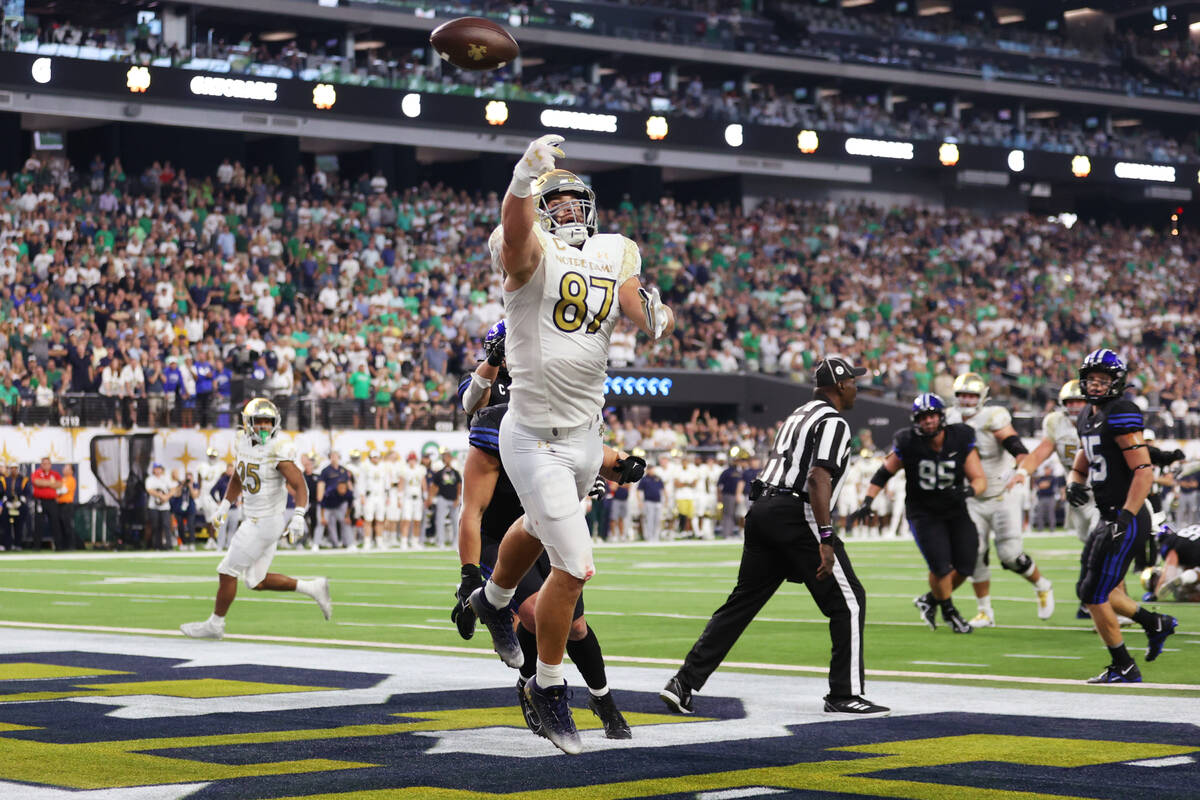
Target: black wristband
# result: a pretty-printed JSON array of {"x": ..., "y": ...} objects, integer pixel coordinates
[
  {"x": 471, "y": 571},
  {"x": 826, "y": 533}
]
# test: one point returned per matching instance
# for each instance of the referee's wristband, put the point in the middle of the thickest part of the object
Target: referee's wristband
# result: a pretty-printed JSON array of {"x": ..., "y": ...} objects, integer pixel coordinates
[{"x": 826, "y": 533}]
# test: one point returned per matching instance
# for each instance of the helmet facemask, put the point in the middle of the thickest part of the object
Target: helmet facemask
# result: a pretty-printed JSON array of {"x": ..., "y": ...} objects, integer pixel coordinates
[{"x": 565, "y": 206}]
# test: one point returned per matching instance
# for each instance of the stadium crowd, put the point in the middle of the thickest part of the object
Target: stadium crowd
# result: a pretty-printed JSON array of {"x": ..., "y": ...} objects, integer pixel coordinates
[
  {"x": 811, "y": 31},
  {"x": 161, "y": 294}
]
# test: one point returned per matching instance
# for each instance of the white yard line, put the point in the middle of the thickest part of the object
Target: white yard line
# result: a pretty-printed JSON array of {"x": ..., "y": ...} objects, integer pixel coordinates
[{"x": 673, "y": 662}]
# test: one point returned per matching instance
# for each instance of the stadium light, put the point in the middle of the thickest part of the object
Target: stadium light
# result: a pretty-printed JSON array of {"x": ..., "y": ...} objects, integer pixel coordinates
[
  {"x": 137, "y": 79},
  {"x": 1081, "y": 166},
  {"x": 948, "y": 154},
  {"x": 657, "y": 128},
  {"x": 410, "y": 105},
  {"x": 324, "y": 96},
  {"x": 733, "y": 135},
  {"x": 807, "y": 142},
  {"x": 496, "y": 112},
  {"x": 878, "y": 148},
  {"x": 41, "y": 70},
  {"x": 1016, "y": 160}
]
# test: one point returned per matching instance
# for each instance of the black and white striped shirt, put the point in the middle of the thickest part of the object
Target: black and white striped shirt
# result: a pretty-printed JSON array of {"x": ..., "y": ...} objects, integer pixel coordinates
[{"x": 815, "y": 435}]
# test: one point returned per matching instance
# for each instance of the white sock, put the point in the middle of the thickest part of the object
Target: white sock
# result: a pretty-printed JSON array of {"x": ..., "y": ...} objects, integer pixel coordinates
[
  {"x": 984, "y": 603},
  {"x": 217, "y": 621},
  {"x": 603, "y": 690},
  {"x": 1043, "y": 584},
  {"x": 499, "y": 597},
  {"x": 549, "y": 674},
  {"x": 306, "y": 587}
]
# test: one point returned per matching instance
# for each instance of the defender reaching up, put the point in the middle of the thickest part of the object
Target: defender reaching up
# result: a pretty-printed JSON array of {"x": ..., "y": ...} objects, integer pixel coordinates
[{"x": 563, "y": 283}]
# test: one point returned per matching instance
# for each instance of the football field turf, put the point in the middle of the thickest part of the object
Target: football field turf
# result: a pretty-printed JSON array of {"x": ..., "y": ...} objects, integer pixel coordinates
[
  {"x": 647, "y": 604},
  {"x": 101, "y": 698}
]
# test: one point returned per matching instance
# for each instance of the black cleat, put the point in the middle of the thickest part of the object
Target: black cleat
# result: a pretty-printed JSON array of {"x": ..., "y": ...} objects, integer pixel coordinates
[
  {"x": 855, "y": 706},
  {"x": 927, "y": 607},
  {"x": 615, "y": 726},
  {"x": 499, "y": 622},
  {"x": 550, "y": 705},
  {"x": 1127, "y": 674},
  {"x": 677, "y": 696},
  {"x": 955, "y": 620},
  {"x": 1082, "y": 612},
  {"x": 531, "y": 718},
  {"x": 1156, "y": 638}
]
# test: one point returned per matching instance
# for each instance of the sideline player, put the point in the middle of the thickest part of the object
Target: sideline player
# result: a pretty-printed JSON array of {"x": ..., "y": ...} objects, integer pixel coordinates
[
  {"x": 490, "y": 507},
  {"x": 266, "y": 471},
  {"x": 1114, "y": 460},
  {"x": 936, "y": 459},
  {"x": 562, "y": 283},
  {"x": 997, "y": 513}
]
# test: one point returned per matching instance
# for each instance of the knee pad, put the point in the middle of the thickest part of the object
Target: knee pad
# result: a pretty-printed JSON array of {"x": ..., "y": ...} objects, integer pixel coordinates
[{"x": 1022, "y": 564}]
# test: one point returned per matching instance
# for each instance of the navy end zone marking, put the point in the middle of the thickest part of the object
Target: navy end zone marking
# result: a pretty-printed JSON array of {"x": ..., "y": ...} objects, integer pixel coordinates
[{"x": 441, "y": 743}]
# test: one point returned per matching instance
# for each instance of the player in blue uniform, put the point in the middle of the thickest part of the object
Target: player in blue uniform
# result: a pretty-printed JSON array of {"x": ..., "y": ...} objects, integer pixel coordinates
[
  {"x": 1114, "y": 460},
  {"x": 941, "y": 470},
  {"x": 488, "y": 384}
]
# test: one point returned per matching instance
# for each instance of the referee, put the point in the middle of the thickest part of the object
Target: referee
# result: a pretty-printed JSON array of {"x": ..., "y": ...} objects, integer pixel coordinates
[{"x": 789, "y": 536}]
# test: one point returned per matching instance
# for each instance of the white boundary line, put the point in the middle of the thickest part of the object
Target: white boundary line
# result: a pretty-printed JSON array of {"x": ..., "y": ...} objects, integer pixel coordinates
[{"x": 878, "y": 673}]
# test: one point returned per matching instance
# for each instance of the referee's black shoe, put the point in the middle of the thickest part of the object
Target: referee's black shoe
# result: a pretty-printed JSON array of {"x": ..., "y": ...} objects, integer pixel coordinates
[
  {"x": 855, "y": 706},
  {"x": 677, "y": 696}
]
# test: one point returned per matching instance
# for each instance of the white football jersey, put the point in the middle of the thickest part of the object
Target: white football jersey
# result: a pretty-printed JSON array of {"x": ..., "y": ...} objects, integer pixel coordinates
[
  {"x": 373, "y": 478},
  {"x": 414, "y": 481},
  {"x": 1059, "y": 428},
  {"x": 997, "y": 462},
  {"x": 559, "y": 326},
  {"x": 208, "y": 473},
  {"x": 264, "y": 491}
]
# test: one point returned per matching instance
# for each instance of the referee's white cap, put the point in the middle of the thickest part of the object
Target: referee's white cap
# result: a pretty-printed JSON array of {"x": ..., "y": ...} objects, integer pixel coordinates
[{"x": 834, "y": 369}]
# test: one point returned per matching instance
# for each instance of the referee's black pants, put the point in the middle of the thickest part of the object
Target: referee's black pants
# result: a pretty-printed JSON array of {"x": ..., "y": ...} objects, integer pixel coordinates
[{"x": 780, "y": 545}]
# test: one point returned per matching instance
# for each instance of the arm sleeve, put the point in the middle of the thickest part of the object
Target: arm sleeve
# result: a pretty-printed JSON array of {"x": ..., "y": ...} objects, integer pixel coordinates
[{"x": 470, "y": 391}]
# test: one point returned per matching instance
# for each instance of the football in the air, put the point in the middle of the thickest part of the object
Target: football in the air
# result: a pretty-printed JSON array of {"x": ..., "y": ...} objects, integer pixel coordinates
[{"x": 474, "y": 43}]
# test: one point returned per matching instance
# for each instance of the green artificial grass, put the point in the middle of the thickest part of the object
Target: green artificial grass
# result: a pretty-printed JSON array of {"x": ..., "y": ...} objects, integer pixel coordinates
[{"x": 647, "y": 605}]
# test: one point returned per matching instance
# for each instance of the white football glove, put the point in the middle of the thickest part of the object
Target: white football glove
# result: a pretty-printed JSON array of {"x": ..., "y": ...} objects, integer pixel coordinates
[
  {"x": 537, "y": 161},
  {"x": 221, "y": 515},
  {"x": 656, "y": 312},
  {"x": 297, "y": 527}
]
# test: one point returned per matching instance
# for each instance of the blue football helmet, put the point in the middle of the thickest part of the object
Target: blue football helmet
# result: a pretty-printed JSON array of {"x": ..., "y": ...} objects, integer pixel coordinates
[
  {"x": 928, "y": 403},
  {"x": 497, "y": 331},
  {"x": 1108, "y": 362}
]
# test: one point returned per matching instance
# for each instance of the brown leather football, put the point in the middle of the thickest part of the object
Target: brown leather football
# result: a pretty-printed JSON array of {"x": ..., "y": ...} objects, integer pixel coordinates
[{"x": 474, "y": 43}]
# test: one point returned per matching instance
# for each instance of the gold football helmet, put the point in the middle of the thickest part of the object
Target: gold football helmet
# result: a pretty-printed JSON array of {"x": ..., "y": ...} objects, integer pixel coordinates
[
  {"x": 580, "y": 202},
  {"x": 970, "y": 383},
  {"x": 260, "y": 411},
  {"x": 1071, "y": 390}
]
